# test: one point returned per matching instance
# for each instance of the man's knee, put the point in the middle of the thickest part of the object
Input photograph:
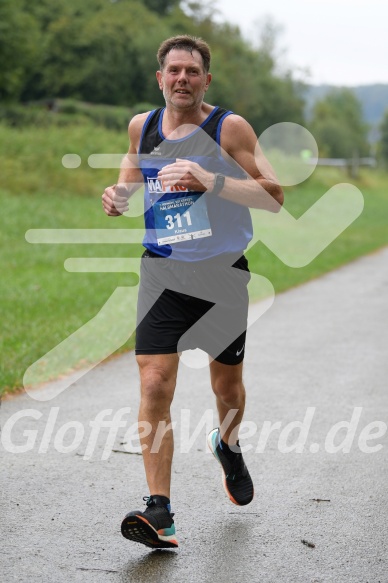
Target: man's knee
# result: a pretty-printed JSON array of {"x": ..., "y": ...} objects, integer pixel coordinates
[
  {"x": 227, "y": 383},
  {"x": 229, "y": 392},
  {"x": 157, "y": 376}
]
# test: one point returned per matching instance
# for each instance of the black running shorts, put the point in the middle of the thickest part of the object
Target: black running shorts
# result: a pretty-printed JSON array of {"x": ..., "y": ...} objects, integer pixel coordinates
[{"x": 186, "y": 305}]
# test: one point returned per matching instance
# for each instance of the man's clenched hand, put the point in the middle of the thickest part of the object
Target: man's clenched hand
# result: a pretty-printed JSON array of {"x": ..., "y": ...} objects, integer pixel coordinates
[
  {"x": 115, "y": 200},
  {"x": 188, "y": 174}
]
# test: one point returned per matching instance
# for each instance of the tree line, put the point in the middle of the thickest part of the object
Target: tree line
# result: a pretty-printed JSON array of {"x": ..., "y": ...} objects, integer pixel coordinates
[{"x": 104, "y": 52}]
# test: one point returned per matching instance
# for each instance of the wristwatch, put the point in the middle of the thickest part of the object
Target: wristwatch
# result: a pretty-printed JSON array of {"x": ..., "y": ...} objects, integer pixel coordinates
[{"x": 219, "y": 181}]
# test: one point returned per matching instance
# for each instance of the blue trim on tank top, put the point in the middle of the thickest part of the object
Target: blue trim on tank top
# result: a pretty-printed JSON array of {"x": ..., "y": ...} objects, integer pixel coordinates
[
  {"x": 216, "y": 108},
  {"x": 145, "y": 126},
  {"x": 218, "y": 135}
]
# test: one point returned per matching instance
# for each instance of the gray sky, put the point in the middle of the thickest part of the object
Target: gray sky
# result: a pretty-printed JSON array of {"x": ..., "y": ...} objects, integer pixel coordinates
[{"x": 343, "y": 42}]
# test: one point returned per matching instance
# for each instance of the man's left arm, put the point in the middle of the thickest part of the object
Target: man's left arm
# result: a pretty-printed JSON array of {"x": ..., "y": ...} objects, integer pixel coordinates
[{"x": 260, "y": 190}]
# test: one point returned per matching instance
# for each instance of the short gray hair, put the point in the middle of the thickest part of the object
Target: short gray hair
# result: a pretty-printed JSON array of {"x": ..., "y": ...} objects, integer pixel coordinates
[{"x": 188, "y": 43}]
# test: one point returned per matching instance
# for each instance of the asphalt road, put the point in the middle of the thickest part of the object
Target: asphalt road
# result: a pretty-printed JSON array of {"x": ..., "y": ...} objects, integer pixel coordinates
[{"x": 318, "y": 356}]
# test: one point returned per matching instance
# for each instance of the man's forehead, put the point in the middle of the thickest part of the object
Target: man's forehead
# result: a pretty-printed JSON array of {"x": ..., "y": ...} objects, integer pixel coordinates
[{"x": 176, "y": 56}]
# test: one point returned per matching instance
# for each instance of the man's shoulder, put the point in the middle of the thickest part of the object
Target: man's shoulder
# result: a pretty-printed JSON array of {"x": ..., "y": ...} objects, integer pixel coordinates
[
  {"x": 135, "y": 127},
  {"x": 138, "y": 120},
  {"x": 235, "y": 122},
  {"x": 235, "y": 132}
]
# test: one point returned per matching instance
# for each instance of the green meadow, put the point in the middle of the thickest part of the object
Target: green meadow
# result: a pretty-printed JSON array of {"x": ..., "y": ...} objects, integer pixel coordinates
[{"x": 43, "y": 303}]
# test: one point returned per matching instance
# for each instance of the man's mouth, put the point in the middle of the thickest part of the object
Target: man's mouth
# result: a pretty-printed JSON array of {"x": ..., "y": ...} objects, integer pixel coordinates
[{"x": 182, "y": 91}]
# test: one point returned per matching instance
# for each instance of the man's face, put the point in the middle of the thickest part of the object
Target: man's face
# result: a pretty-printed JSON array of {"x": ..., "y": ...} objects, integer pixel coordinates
[{"x": 183, "y": 79}]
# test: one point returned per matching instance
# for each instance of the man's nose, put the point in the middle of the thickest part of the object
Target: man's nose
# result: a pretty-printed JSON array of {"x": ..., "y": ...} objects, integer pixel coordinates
[{"x": 182, "y": 77}]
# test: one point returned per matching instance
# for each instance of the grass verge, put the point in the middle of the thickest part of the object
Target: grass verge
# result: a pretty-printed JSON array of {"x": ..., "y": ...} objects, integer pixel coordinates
[{"x": 42, "y": 303}]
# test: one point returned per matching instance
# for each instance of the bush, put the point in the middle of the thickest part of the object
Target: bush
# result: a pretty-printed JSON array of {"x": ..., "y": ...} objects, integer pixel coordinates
[{"x": 63, "y": 112}]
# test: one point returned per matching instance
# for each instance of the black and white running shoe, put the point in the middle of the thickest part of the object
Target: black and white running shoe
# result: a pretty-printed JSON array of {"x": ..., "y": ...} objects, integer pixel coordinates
[
  {"x": 236, "y": 479},
  {"x": 154, "y": 527}
]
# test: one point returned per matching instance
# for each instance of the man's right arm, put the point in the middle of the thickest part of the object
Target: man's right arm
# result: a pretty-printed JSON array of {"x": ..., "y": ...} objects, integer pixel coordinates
[{"x": 115, "y": 198}]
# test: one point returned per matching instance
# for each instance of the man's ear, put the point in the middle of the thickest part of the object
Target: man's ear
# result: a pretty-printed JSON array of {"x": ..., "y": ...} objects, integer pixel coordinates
[
  {"x": 159, "y": 77},
  {"x": 208, "y": 81}
]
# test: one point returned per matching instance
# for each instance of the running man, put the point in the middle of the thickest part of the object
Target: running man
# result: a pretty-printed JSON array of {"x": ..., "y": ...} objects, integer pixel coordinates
[{"x": 199, "y": 165}]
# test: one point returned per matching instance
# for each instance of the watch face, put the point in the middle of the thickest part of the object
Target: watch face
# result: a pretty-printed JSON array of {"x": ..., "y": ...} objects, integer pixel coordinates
[{"x": 220, "y": 180}]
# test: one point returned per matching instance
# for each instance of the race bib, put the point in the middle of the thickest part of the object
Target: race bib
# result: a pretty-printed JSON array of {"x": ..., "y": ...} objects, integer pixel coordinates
[{"x": 181, "y": 219}]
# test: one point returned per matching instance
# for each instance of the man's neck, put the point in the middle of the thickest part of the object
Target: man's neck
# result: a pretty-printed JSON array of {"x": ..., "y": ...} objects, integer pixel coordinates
[{"x": 173, "y": 119}]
